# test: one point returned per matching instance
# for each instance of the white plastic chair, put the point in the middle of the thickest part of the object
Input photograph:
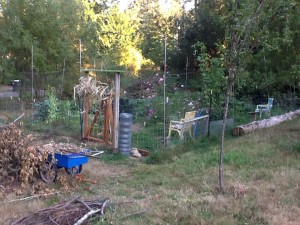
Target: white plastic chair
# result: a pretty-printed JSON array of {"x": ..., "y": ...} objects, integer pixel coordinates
[{"x": 265, "y": 108}]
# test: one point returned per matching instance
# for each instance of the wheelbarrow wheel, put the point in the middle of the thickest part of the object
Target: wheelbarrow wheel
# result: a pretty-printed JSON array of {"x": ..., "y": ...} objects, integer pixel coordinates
[
  {"x": 74, "y": 170},
  {"x": 48, "y": 172}
]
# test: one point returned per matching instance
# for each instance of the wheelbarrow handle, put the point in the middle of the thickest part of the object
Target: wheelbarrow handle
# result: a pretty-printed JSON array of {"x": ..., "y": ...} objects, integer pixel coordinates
[{"x": 78, "y": 153}]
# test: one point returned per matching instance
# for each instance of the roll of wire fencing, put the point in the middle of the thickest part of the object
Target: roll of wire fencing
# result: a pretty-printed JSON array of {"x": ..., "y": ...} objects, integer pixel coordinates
[{"x": 125, "y": 133}]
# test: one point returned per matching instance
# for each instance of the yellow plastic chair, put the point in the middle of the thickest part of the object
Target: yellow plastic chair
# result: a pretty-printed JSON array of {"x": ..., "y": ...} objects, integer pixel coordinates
[{"x": 183, "y": 125}]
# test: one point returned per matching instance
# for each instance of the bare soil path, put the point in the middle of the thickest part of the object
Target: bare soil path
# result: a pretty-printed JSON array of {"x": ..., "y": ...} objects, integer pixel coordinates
[{"x": 7, "y": 91}]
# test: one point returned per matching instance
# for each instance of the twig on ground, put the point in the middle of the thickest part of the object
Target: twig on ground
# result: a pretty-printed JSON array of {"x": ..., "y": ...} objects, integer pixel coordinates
[
  {"x": 53, "y": 221},
  {"x": 18, "y": 118},
  {"x": 133, "y": 214},
  {"x": 89, "y": 208},
  {"x": 103, "y": 206},
  {"x": 30, "y": 197}
]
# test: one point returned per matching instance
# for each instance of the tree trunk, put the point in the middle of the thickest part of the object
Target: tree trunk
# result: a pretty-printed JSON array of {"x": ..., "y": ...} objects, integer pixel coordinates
[
  {"x": 227, "y": 97},
  {"x": 239, "y": 39},
  {"x": 272, "y": 121}
]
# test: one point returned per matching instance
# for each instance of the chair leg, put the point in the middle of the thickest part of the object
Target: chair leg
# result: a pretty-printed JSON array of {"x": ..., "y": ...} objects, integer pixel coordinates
[
  {"x": 260, "y": 113},
  {"x": 181, "y": 134},
  {"x": 169, "y": 135},
  {"x": 190, "y": 131}
]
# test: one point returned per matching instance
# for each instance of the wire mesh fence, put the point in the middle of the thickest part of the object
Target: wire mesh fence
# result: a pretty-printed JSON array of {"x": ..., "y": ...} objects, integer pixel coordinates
[{"x": 48, "y": 113}]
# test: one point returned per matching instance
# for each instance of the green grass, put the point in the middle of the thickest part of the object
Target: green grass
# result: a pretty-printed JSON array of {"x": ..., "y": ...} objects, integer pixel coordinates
[{"x": 179, "y": 185}]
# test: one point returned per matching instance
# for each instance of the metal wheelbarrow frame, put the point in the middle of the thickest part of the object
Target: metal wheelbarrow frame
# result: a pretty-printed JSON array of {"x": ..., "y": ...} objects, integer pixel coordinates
[{"x": 71, "y": 162}]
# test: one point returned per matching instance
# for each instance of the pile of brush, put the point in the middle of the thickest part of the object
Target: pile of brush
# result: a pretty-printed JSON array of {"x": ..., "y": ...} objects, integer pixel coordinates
[
  {"x": 89, "y": 86},
  {"x": 19, "y": 159},
  {"x": 75, "y": 212}
]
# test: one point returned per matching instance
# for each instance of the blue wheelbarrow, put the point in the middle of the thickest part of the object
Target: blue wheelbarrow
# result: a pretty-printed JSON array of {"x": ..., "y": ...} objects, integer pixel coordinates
[{"x": 70, "y": 161}]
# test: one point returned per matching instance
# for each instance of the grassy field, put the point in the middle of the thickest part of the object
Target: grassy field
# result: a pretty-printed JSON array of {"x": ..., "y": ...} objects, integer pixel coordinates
[{"x": 179, "y": 186}]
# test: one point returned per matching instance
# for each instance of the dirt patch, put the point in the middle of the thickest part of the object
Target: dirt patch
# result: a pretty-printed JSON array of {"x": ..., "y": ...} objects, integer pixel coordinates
[
  {"x": 137, "y": 127},
  {"x": 98, "y": 169},
  {"x": 4, "y": 88}
]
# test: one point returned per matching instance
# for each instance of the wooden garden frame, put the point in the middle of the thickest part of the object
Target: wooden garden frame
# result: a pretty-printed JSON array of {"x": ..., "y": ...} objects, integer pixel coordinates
[
  {"x": 108, "y": 124},
  {"x": 111, "y": 114}
]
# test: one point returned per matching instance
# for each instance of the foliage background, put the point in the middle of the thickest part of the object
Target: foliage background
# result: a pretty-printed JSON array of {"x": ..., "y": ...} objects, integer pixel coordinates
[{"x": 44, "y": 43}]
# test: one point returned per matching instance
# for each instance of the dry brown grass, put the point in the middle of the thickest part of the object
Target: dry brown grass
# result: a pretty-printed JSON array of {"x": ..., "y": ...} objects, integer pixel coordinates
[
  {"x": 98, "y": 169},
  {"x": 11, "y": 211},
  {"x": 280, "y": 199}
]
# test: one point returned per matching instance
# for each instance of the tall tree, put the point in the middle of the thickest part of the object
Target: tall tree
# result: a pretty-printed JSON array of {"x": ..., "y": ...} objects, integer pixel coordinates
[
  {"x": 112, "y": 37},
  {"x": 159, "y": 23},
  {"x": 49, "y": 26},
  {"x": 276, "y": 51},
  {"x": 243, "y": 20},
  {"x": 202, "y": 24}
]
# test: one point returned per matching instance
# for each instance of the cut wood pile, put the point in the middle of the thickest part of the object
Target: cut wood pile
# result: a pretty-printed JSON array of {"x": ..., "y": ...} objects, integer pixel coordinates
[
  {"x": 75, "y": 212},
  {"x": 19, "y": 159},
  {"x": 272, "y": 121}
]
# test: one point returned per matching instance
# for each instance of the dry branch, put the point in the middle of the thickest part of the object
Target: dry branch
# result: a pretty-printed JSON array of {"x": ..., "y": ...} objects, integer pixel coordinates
[
  {"x": 18, "y": 118},
  {"x": 31, "y": 197},
  {"x": 272, "y": 121},
  {"x": 86, "y": 216},
  {"x": 89, "y": 86},
  {"x": 76, "y": 211},
  {"x": 103, "y": 206}
]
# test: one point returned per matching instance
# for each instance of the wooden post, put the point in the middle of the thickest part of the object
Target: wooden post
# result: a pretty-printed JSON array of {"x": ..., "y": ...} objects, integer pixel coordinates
[
  {"x": 96, "y": 117},
  {"x": 110, "y": 120},
  {"x": 85, "y": 117},
  {"x": 116, "y": 112},
  {"x": 106, "y": 120},
  {"x": 209, "y": 112}
]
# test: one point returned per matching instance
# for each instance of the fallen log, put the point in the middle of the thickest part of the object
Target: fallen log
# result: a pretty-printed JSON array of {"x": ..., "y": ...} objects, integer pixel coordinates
[{"x": 272, "y": 121}]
